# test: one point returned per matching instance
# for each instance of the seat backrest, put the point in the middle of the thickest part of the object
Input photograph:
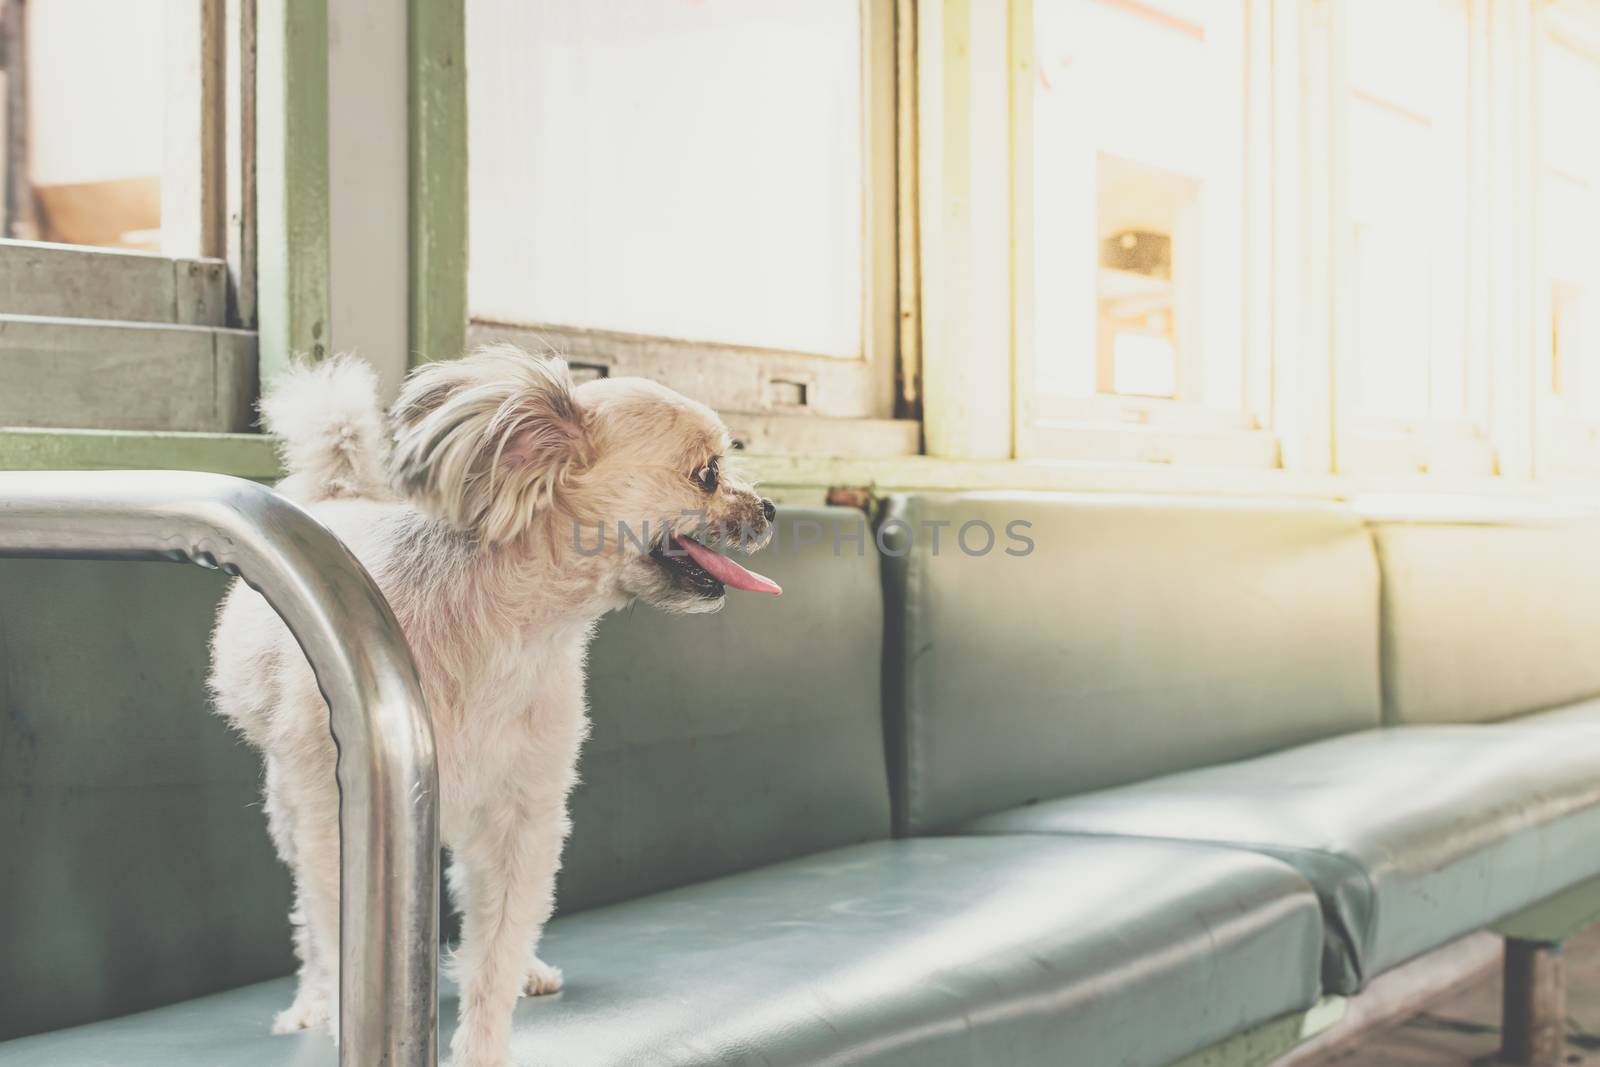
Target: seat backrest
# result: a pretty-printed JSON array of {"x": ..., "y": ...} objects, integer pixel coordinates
[
  {"x": 1138, "y": 636},
  {"x": 1487, "y": 620},
  {"x": 723, "y": 742},
  {"x": 135, "y": 865}
]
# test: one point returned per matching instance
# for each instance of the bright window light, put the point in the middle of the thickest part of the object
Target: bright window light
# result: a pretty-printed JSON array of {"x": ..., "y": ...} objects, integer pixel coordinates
[
  {"x": 96, "y": 96},
  {"x": 1570, "y": 100},
  {"x": 1406, "y": 112},
  {"x": 686, "y": 170},
  {"x": 1138, "y": 203}
]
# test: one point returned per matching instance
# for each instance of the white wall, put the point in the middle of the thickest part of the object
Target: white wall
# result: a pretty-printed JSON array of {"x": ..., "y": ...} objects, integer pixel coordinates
[{"x": 367, "y": 177}]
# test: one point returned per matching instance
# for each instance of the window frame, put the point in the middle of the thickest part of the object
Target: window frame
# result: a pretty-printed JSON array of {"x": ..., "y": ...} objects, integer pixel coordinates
[
  {"x": 1299, "y": 359},
  {"x": 1567, "y": 444},
  {"x": 207, "y": 199},
  {"x": 1457, "y": 444},
  {"x": 188, "y": 311},
  {"x": 1127, "y": 428},
  {"x": 770, "y": 387},
  {"x": 962, "y": 385}
]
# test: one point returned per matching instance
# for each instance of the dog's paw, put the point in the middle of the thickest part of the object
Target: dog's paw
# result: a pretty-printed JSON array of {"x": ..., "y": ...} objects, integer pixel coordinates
[
  {"x": 541, "y": 979},
  {"x": 471, "y": 1059},
  {"x": 307, "y": 1014}
]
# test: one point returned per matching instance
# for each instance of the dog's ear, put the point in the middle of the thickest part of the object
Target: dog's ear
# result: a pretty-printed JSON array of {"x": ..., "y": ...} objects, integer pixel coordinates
[{"x": 488, "y": 441}]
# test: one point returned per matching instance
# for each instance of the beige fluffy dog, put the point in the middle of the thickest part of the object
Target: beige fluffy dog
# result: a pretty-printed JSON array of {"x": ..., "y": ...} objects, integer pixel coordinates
[{"x": 479, "y": 512}]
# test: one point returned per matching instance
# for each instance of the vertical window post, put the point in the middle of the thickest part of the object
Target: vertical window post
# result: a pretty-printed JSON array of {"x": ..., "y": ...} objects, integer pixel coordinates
[
  {"x": 438, "y": 162},
  {"x": 292, "y": 180},
  {"x": 965, "y": 200},
  {"x": 1305, "y": 391},
  {"x": 1024, "y": 72},
  {"x": 239, "y": 163},
  {"x": 1510, "y": 243}
]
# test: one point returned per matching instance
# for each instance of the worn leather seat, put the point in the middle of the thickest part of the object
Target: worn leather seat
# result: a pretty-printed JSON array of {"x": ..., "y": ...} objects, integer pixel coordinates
[
  {"x": 730, "y": 895},
  {"x": 1150, "y": 801},
  {"x": 1412, "y": 835},
  {"x": 1209, "y": 671},
  {"x": 917, "y": 953},
  {"x": 1139, "y": 637}
]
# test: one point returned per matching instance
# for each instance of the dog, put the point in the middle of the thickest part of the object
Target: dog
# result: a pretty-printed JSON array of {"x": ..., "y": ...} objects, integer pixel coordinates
[{"x": 482, "y": 509}]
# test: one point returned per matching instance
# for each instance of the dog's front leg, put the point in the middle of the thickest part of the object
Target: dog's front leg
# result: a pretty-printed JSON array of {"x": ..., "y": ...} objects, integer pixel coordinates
[{"x": 507, "y": 891}]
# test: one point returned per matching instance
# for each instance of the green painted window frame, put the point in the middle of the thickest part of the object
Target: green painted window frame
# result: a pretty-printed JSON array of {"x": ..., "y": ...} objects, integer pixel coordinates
[
  {"x": 292, "y": 271},
  {"x": 436, "y": 36}
]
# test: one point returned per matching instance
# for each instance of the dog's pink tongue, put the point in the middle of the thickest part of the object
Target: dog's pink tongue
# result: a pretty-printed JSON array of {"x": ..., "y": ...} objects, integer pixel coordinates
[{"x": 726, "y": 570}]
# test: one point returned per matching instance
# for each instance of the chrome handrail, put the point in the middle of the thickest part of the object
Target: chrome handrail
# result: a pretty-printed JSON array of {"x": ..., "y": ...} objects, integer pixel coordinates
[{"x": 388, "y": 776}]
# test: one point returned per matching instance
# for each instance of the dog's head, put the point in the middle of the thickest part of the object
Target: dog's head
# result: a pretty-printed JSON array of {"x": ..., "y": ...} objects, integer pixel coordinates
[{"x": 620, "y": 479}]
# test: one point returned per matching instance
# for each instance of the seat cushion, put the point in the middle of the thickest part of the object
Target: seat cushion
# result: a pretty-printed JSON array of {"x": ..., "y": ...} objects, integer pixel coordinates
[
  {"x": 1483, "y": 621},
  {"x": 925, "y": 952},
  {"x": 1138, "y": 636},
  {"x": 1412, "y": 835}
]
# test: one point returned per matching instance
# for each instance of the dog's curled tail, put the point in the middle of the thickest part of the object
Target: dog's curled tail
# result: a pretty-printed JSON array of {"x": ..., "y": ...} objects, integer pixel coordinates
[{"x": 330, "y": 428}]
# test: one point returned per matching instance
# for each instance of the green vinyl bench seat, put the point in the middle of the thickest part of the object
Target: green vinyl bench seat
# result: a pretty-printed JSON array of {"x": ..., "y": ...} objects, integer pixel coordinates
[
  {"x": 1246, "y": 674},
  {"x": 1142, "y": 793},
  {"x": 921, "y": 953},
  {"x": 732, "y": 892},
  {"x": 1412, "y": 836}
]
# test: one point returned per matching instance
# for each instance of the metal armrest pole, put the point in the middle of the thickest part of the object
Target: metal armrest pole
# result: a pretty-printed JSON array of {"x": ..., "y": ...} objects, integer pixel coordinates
[{"x": 388, "y": 777}]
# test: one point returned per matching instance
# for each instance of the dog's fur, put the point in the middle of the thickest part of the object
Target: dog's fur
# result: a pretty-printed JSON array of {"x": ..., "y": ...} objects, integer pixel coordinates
[{"x": 464, "y": 509}]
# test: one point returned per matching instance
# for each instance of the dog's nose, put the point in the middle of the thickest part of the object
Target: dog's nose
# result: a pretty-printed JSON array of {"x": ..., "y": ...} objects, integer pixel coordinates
[{"x": 769, "y": 509}]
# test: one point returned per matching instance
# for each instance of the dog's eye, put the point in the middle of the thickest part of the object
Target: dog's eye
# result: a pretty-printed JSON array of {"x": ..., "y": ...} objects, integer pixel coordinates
[{"x": 706, "y": 477}]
